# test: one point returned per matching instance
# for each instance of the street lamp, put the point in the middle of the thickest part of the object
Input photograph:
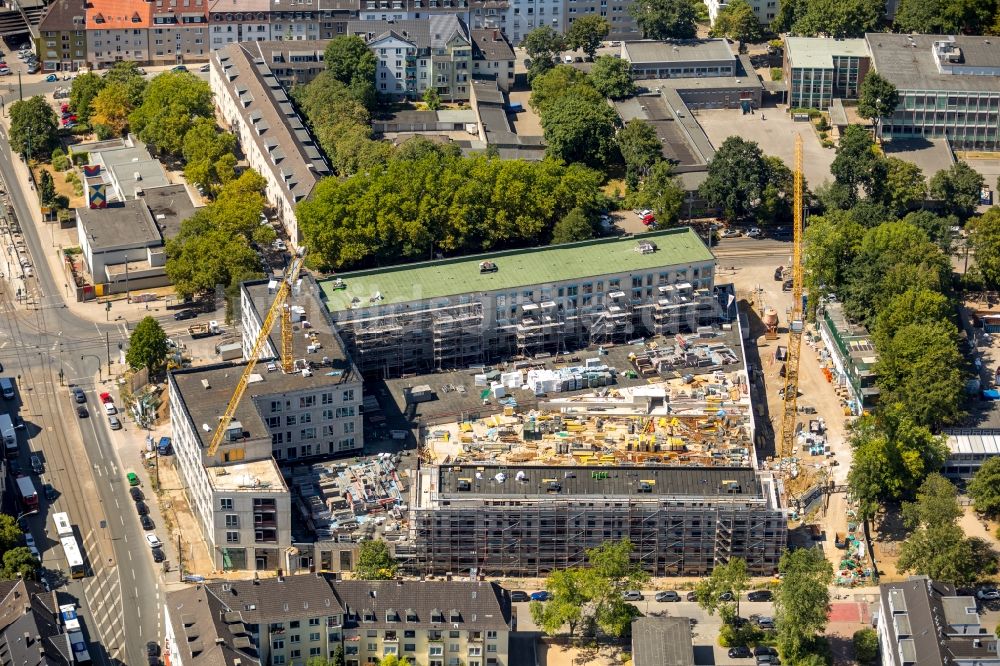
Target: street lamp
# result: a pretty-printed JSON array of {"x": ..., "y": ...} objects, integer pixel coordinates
[
  {"x": 128, "y": 299},
  {"x": 98, "y": 359}
]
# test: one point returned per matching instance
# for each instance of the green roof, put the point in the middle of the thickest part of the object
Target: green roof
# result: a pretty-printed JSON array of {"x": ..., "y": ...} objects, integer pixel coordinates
[{"x": 517, "y": 268}]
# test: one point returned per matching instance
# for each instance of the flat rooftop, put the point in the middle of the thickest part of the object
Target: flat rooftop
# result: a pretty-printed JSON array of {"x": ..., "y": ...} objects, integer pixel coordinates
[
  {"x": 122, "y": 225},
  {"x": 678, "y": 50},
  {"x": 818, "y": 52},
  {"x": 257, "y": 476},
  {"x": 170, "y": 205},
  {"x": 908, "y": 62},
  {"x": 982, "y": 442},
  {"x": 517, "y": 268},
  {"x": 727, "y": 482}
]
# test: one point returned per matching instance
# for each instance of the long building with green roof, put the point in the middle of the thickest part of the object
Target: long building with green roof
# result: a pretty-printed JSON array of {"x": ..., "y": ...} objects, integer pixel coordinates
[{"x": 456, "y": 312}]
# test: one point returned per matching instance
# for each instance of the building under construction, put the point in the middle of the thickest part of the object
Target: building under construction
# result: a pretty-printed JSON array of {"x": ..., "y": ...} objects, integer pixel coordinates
[
  {"x": 529, "y": 521},
  {"x": 453, "y": 313}
]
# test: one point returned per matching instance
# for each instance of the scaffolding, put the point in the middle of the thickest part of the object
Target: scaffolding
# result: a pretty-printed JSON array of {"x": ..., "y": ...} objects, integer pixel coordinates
[
  {"x": 377, "y": 343},
  {"x": 674, "y": 308},
  {"x": 457, "y": 335},
  {"x": 540, "y": 329},
  {"x": 614, "y": 322}
]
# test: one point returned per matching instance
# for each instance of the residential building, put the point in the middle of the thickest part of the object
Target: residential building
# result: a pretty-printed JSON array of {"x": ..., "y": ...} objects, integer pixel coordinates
[
  {"x": 662, "y": 641},
  {"x": 968, "y": 450},
  {"x": 453, "y": 312},
  {"x": 922, "y": 622},
  {"x": 61, "y": 44},
  {"x": 409, "y": 10},
  {"x": 852, "y": 357},
  {"x": 615, "y": 12},
  {"x": 179, "y": 34},
  {"x": 293, "y": 63},
  {"x": 764, "y": 10},
  {"x": 493, "y": 57},
  {"x": 293, "y": 20},
  {"x": 949, "y": 87},
  {"x": 681, "y": 58},
  {"x": 239, "y": 495},
  {"x": 244, "y": 21},
  {"x": 819, "y": 70},
  {"x": 416, "y": 55},
  {"x": 118, "y": 30},
  {"x": 273, "y": 137},
  {"x": 532, "y": 520},
  {"x": 31, "y": 631},
  {"x": 289, "y": 620}
]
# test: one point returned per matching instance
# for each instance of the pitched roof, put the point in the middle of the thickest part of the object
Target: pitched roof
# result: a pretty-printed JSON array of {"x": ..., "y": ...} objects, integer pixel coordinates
[
  {"x": 491, "y": 45},
  {"x": 118, "y": 14},
  {"x": 63, "y": 15},
  {"x": 473, "y": 605},
  {"x": 662, "y": 641},
  {"x": 273, "y": 599},
  {"x": 433, "y": 33},
  {"x": 198, "y": 619},
  {"x": 27, "y": 608}
]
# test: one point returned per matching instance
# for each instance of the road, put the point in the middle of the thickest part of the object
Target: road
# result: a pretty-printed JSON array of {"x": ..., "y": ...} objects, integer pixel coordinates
[{"x": 120, "y": 599}]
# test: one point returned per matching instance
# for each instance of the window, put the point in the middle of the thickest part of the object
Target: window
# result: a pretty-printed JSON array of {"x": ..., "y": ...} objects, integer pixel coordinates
[
  {"x": 305, "y": 418},
  {"x": 273, "y": 421},
  {"x": 275, "y": 406},
  {"x": 327, "y": 414},
  {"x": 345, "y": 411},
  {"x": 290, "y": 420},
  {"x": 309, "y": 433},
  {"x": 232, "y": 537},
  {"x": 296, "y": 654},
  {"x": 314, "y": 622},
  {"x": 348, "y": 428},
  {"x": 348, "y": 395},
  {"x": 327, "y": 398},
  {"x": 315, "y": 651},
  {"x": 307, "y": 401},
  {"x": 409, "y": 633},
  {"x": 295, "y": 638},
  {"x": 278, "y": 659},
  {"x": 313, "y": 637},
  {"x": 409, "y": 647},
  {"x": 491, "y": 635},
  {"x": 232, "y": 520},
  {"x": 491, "y": 648},
  {"x": 372, "y": 647},
  {"x": 225, "y": 504}
]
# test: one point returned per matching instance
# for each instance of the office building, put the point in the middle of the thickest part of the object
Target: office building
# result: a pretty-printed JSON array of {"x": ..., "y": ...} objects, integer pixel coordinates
[
  {"x": 415, "y": 55},
  {"x": 455, "y": 312},
  {"x": 949, "y": 87},
  {"x": 680, "y": 58},
  {"x": 819, "y": 70},
  {"x": 922, "y": 622},
  {"x": 852, "y": 357},
  {"x": 968, "y": 450},
  {"x": 289, "y": 620},
  {"x": 273, "y": 137},
  {"x": 529, "y": 521}
]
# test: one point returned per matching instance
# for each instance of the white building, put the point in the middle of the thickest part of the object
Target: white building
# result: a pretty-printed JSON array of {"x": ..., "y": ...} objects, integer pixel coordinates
[
  {"x": 765, "y": 10},
  {"x": 247, "y": 21}
]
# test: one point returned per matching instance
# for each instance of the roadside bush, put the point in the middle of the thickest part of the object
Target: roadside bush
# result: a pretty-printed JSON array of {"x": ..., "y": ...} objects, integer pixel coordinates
[
  {"x": 822, "y": 125},
  {"x": 823, "y": 135},
  {"x": 866, "y": 646},
  {"x": 732, "y": 636},
  {"x": 59, "y": 160},
  {"x": 103, "y": 132}
]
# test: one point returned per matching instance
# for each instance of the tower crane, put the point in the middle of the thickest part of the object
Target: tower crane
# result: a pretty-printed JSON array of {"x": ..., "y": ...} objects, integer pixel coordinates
[
  {"x": 279, "y": 308},
  {"x": 795, "y": 319}
]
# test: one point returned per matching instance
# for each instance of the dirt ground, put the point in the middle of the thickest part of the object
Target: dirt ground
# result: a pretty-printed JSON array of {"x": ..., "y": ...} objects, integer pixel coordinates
[
  {"x": 178, "y": 519},
  {"x": 560, "y": 655},
  {"x": 62, "y": 187},
  {"x": 527, "y": 122}
]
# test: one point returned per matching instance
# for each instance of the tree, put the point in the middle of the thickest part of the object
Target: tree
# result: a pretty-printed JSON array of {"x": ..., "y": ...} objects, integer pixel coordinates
[
  {"x": 913, "y": 306},
  {"x": 587, "y": 32},
  {"x": 984, "y": 238},
  {"x": 984, "y": 489},
  {"x": 945, "y": 17},
  {"x": 613, "y": 574},
  {"x": 33, "y": 127},
  {"x": 431, "y": 98},
  {"x": 46, "y": 189},
  {"x": 349, "y": 60},
  {"x": 790, "y": 12},
  {"x": 727, "y": 580},
  {"x": 375, "y": 562},
  {"x": 904, "y": 186},
  {"x": 802, "y": 602},
  {"x": 737, "y": 21},
  {"x": 866, "y": 646},
  {"x": 127, "y": 74},
  {"x": 209, "y": 155},
  {"x": 569, "y": 590},
  {"x": 559, "y": 82},
  {"x": 18, "y": 562},
  {"x": 856, "y": 160},
  {"x": 877, "y": 99},
  {"x": 147, "y": 346},
  {"x": 937, "y": 227},
  {"x": 831, "y": 243},
  {"x": 640, "y": 148},
  {"x": 170, "y": 105},
  {"x": 573, "y": 227},
  {"x": 10, "y": 532},
  {"x": 959, "y": 187},
  {"x": 111, "y": 108},
  {"x": 542, "y": 45},
  {"x": 662, "y": 193},
  {"x": 838, "y": 18},
  {"x": 577, "y": 130},
  {"x": 736, "y": 178},
  {"x": 612, "y": 77},
  {"x": 339, "y": 658},
  {"x": 82, "y": 92},
  {"x": 665, "y": 19},
  {"x": 394, "y": 660}
]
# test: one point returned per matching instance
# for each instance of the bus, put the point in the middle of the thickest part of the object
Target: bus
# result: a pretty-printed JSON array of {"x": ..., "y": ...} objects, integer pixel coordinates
[
  {"x": 73, "y": 557},
  {"x": 79, "y": 645},
  {"x": 29, "y": 496},
  {"x": 63, "y": 526}
]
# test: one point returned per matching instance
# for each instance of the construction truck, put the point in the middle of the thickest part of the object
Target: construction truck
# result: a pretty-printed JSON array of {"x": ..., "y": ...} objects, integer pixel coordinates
[{"x": 204, "y": 330}]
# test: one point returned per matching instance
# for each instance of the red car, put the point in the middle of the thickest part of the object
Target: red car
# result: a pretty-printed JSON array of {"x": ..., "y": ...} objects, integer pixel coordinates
[
  {"x": 106, "y": 397},
  {"x": 648, "y": 219},
  {"x": 69, "y": 119},
  {"x": 64, "y": 107}
]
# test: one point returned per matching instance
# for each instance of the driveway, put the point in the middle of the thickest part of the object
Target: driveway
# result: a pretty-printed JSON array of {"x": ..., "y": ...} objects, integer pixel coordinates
[{"x": 772, "y": 129}]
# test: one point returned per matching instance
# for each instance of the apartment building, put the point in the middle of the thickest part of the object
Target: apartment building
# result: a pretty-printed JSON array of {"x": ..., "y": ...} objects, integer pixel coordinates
[
  {"x": 179, "y": 34},
  {"x": 416, "y": 55},
  {"x": 293, "y": 63},
  {"x": 289, "y": 620},
  {"x": 530, "y": 521},
  {"x": 118, "y": 30},
  {"x": 516, "y": 18},
  {"x": 31, "y": 630},
  {"x": 409, "y": 10},
  {"x": 819, "y": 70},
  {"x": 238, "y": 21},
  {"x": 451, "y": 313},
  {"x": 615, "y": 12},
  {"x": 764, "y": 10},
  {"x": 493, "y": 57},
  {"x": 273, "y": 137},
  {"x": 922, "y": 622},
  {"x": 61, "y": 44},
  {"x": 949, "y": 87}
]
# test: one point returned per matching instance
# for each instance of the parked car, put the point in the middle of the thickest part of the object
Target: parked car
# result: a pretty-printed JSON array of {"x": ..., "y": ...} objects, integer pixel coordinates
[
  {"x": 15, "y": 467},
  {"x": 753, "y": 232},
  {"x": 280, "y": 245},
  {"x": 114, "y": 423},
  {"x": 760, "y": 595},
  {"x": 51, "y": 78},
  {"x": 152, "y": 540},
  {"x": 632, "y": 595},
  {"x": 668, "y": 595},
  {"x": 205, "y": 68},
  {"x": 726, "y": 596},
  {"x": 142, "y": 508},
  {"x": 730, "y": 233},
  {"x": 740, "y": 652},
  {"x": 4, "y": 71},
  {"x": 787, "y": 285},
  {"x": 146, "y": 522},
  {"x": 649, "y": 219},
  {"x": 988, "y": 594},
  {"x": 540, "y": 596},
  {"x": 29, "y": 541},
  {"x": 110, "y": 409},
  {"x": 691, "y": 596},
  {"x": 136, "y": 494},
  {"x": 68, "y": 119},
  {"x": 49, "y": 492},
  {"x": 67, "y": 126},
  {"x": 519, "y": 596},
  {"x": 185, "y": 314},
  {"x": 158, "y": 555},
  {"x": 179, "y": 68},
  {"x": 766, "y": 623},
  {"x": 33, "y": 68},
  {"x": 762, "y": 650},
  {"x": 36, "y": 464}
]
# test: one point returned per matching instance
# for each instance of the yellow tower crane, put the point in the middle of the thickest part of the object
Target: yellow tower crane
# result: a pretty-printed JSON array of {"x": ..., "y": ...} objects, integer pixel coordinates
[
  {"x": 795, "y": 319},
  {"x": 279, "y": 306}
]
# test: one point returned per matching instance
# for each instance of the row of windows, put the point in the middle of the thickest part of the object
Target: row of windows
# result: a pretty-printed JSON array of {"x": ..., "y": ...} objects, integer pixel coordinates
[{"x": 309, "y": 450}]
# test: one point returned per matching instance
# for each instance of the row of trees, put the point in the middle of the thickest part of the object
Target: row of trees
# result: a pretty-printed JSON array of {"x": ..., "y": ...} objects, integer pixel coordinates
[
  {"x": 106, "y": 102},
  {"x": 746, "y": 184},
  {"x": 16, "y": 561},
  {"x": 543, "y": 44},
  {"x": 428, "y": 198},
  {"x": 853, "y": 18}
]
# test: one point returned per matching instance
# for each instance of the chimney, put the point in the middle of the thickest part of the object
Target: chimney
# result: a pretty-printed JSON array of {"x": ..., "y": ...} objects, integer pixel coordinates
[
  {"x": 496, "y": 36},
  {"x": 27, "y": 638}
]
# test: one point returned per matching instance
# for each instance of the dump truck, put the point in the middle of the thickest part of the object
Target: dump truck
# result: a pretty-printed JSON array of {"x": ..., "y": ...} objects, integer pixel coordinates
[{"x": 204, "y": 330}]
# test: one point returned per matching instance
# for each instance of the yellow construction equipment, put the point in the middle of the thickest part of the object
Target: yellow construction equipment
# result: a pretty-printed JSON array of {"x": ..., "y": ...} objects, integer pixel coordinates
[
  {"x": 279, "y": 306},
  {"x": 795, "y": 318}
]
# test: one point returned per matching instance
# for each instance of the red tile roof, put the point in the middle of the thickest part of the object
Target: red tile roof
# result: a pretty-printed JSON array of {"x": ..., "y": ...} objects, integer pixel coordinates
[{"x": 118, "y": 14}]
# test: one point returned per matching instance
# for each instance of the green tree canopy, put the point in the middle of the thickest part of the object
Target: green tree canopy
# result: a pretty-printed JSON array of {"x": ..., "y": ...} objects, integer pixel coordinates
[
  {"x": 111, "y": 107},
  {"x": 570, "y": 591},
  {"x": 831, "y": 242},
  {"x": 559, "y": 82},
  {"x": 350, "y": 61},
  {"x": 959, "y": 187},
  {"x": 542, "y": 45},
  {"x": 33, "y": 127},
  {"x": 904, "y": 187},
  {"x": 612, "y": 77},
  {"x": 46, "y": 189},
  {"x": 209, "y": 155},
  {"x": 613, "y": 574},
  {"x": 727, "y": 580},
  {"x": 82, "y": 92},
  {"x": 790, "y": 12},
  {"x": 586, "y": 33},
  {"x": 736, "y": 178},
  {"x": 578, "y": 130},
  {"x": 913, "y": 306},
  {"x": 866, "y": 645},
  {"x": 640, "y": 148},
  {"x": 737, "y": 21},
  {"x": 662, "y": 193},
  {"x": 574, "y": 226},
  {"x": 937, "y": 227},
  {"x": 802, "y": 602},
  {"x": 945, "y": 17},
  {"x": 877, "y": 98},
  {"x": 838, "y": 18},
  {"x": 147, "y": 346},
  {"x": 431, "y": 98},
  {"x": 984, "y": 489},
  {"x": 10, "y": 532},
  {"x": 18, "y": 562},
  {"x": 170, "y": 105},
  {"x": 984, "y": 238},
  {"x": 857, "y": 163},
  {"x": 375, "y": 562},
  {"x": 665, "y": 19}
]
